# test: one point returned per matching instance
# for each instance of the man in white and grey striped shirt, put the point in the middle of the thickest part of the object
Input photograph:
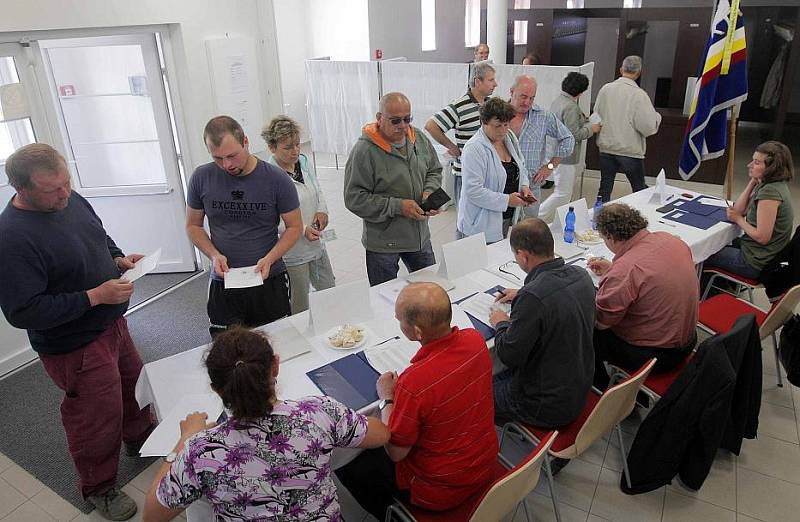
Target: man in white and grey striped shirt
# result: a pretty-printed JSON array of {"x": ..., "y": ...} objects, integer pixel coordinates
[{"x": 462, "y": 115}]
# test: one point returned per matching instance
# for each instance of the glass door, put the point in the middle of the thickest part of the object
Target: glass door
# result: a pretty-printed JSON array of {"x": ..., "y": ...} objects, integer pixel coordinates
[{"x": 114, "y": 120}]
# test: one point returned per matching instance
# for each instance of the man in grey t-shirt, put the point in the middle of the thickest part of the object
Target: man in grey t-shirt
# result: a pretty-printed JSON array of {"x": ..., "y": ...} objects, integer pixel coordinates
[{"x": 244, "y": 198}]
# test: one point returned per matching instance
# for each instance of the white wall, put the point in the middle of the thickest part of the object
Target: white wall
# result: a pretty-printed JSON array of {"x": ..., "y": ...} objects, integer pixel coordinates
[
  {"x": 191, "y": 22},
  {"x": 311, "y": 29},
  {"x": 661, "y": 35},
  {"x": 601, "y": 48},
  {"x": 294, "y": 46},
  {"x": 395, "y": 28}
]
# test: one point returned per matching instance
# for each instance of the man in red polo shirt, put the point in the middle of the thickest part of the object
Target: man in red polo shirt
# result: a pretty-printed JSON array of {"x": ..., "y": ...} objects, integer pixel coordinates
[{"x": 440, "y": 413}]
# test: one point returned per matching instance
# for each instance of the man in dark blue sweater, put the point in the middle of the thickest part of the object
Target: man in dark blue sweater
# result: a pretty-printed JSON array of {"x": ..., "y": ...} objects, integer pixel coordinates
[{"x": 60, "y": 280}]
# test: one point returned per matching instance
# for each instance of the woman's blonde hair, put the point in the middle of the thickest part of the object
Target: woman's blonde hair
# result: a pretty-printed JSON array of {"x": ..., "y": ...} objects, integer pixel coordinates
[{"x": 280, "y": 128}]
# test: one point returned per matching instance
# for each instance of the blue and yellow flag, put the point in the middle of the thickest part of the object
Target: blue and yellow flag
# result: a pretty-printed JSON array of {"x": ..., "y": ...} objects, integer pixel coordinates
[{"x": 722, "y": 83}]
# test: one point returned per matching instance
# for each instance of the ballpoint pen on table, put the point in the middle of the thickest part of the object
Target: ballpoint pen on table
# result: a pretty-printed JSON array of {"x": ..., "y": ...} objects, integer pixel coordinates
[
  {"x": 668, "y": 224},
  {"x": 386, "y": 341}
]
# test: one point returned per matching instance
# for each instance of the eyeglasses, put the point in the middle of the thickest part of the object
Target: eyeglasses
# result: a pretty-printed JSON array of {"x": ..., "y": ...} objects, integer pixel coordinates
[{"x": 397, "y": 121}]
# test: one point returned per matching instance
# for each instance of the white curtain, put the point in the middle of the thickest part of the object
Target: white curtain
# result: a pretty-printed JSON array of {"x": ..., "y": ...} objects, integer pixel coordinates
[
  {"x": 341, "y": 97},
  {"x": 429, "y": 86}
]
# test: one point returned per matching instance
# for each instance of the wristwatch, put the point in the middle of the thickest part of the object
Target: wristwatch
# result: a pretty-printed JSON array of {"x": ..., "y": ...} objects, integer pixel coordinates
[
  {"x": 384, "y": 403},
  {"x": 550, "y": 166},
  {"x": 170, "y": 458}
]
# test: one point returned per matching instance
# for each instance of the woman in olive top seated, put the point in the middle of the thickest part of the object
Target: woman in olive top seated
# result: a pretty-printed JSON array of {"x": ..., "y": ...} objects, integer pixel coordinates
[{"x": 763, "y": 211}]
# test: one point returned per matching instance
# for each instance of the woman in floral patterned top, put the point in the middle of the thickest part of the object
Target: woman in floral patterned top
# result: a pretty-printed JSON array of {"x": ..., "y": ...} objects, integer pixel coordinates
[{"x": 271, "y": 459}]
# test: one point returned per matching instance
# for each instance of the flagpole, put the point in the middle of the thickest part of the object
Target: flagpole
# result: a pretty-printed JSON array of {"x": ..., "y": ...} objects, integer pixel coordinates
[{"x": 731, "y": 150}]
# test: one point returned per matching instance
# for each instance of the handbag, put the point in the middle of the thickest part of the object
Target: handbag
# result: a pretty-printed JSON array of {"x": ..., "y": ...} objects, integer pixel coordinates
[{"x": 789, "y": 349}]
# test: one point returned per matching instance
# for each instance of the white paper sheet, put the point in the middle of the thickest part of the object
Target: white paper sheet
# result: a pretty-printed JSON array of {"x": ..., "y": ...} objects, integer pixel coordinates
[
  {"x": 464, "y": 256},
  {"x": 714, "y": 202},
  {"x": 392, "y": 289},
  {"x": 460, "y": 318},
  {"x": 144, "y": 266},
  {"x": 595, "y": 118},
  {"x": 167, "y": 433},
  {"x": 510, "y": 271},
  {"x": 243, "y": 277},
  {"x": 481, "y": 305},
  {"x": 286, "y": 340},
  {"x": 393, "y": 356},
  {"x": 660, "y": 192}
]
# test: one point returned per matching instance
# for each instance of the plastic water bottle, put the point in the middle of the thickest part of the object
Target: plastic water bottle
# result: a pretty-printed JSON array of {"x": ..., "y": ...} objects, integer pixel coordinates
[
  {"x": 569, "y": 228},
  {"x": 597, "y": 206}
]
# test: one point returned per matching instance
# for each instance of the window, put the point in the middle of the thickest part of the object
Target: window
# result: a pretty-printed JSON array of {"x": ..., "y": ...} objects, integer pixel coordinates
[
  {"x": 14, "y": 131},
  {"x": 574, "y": 4},
  {"x": 520, "y": 32},
  {"x": 632, "y": 3},
  {"x": 428, "y": 8},
  {"x": 522, "y": 4},
  {"x": 472, "y": 23}
]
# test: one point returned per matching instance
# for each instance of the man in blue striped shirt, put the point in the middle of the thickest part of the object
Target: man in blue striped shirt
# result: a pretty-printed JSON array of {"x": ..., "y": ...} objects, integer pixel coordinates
[
  {"x": 462, "y": 115},
  {"x": 533, "y": 125}
]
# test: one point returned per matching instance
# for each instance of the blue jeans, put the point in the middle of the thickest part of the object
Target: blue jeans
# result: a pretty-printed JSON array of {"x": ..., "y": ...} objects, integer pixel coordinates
[
  {"x": 730, "y": 259},
  {"x": 610, "y": 164},
  {"x": 382, "y": 266},
  {"x": 505, "y": 407}
]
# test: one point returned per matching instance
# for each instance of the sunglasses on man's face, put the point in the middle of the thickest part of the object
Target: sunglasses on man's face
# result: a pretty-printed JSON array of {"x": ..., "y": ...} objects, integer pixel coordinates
[{"x": 397, "y": 121}]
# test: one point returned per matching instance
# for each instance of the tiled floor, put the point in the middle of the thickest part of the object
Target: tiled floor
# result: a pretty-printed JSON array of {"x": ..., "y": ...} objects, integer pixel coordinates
[{"x": 763, "y": 483}]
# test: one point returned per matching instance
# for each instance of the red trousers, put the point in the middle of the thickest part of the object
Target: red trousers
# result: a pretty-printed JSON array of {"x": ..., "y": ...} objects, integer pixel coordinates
[{"x": 99, "y": 409}]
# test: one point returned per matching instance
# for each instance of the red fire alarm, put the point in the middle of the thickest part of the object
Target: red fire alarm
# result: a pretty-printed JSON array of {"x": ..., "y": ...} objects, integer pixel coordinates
[{"x": 378, "y": 54}]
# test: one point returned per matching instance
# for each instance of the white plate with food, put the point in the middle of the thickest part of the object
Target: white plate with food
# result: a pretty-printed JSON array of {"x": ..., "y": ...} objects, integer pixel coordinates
[
  {"x": 346, "y": 336},
  {"x": 588, "y": 237}
]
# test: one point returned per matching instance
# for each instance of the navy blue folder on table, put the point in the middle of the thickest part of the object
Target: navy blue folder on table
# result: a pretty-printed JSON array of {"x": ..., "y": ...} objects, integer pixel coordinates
[
  {"x": 695, "y": 207},
  {"x": 350, "y": 380},
  {"x": 486, "y": 331},
  {"x": 697, "y": 220}
]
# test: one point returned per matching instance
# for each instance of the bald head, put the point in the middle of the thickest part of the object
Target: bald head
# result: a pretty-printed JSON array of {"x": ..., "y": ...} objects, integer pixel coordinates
[
  {"x": 523, "y": 92},
  {"x": 425, "y": 306},
  {"x": 394, "y": 100}
]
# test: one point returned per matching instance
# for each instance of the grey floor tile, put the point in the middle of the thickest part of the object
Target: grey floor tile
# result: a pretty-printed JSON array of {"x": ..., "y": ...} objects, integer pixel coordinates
[
  {"x": 767, "y": 498},
  {"x": 575, "y": 485},
  {"x": 719, "y": 488},
  {"x": 778, "y": 421},
  {"x": 611, "y": 503},
  {"x": 771, "y": 456},
  {"x": 679, "y": 508}
]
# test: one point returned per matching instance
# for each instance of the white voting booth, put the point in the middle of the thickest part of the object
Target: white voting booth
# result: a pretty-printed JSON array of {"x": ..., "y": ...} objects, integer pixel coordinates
[{"x": 343, "y": 96}]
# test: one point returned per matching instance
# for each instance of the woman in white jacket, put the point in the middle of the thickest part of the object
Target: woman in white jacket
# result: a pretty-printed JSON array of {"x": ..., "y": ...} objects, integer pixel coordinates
[
  {"x": 307, "y": 262},
  {"x": 493, "y": 175}
]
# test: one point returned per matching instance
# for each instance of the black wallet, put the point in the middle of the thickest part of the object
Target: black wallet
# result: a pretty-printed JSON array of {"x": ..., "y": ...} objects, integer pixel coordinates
[{"x": 437, "y": 198}]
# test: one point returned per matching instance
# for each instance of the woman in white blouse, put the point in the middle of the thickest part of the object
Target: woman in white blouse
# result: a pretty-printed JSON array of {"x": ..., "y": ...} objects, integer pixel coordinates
[{"x": 307, "y": 262}]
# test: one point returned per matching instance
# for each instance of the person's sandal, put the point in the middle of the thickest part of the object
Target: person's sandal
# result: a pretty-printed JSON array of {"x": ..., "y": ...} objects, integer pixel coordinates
[{"x": 114, "y": 504}]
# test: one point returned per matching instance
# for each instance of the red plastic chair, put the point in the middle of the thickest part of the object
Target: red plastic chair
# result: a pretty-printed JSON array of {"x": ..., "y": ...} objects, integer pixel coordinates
[
  {"x": 656, "y": 384},
  {"x": 601, "y": 413},
  {"x": 719, "y": 313},
  {"x": 507, "y": 491},
  {"x": 718, "y": 273}
]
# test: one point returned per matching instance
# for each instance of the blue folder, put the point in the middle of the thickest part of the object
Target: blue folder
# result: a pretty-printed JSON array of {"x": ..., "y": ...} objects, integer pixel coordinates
[
  {"x": 697, "y": 220},
  {"x": 486, "y": 331},
  {"x": 695, "y": 207},
  {"x": 350, "y": 380}
]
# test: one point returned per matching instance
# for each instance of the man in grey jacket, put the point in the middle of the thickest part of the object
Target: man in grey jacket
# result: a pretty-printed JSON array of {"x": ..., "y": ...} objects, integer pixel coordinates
[
  {"x": 391, "y": 171},
  {"x": 628, "y": 118},
  {"x": 566, "y": 109},
  {"x": 546, "y": 343}
]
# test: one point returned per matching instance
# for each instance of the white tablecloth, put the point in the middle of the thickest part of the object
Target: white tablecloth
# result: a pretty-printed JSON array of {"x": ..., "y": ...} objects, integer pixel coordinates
[{"x": 162, "y": 383}]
